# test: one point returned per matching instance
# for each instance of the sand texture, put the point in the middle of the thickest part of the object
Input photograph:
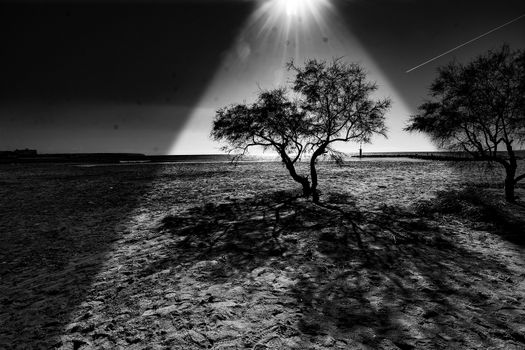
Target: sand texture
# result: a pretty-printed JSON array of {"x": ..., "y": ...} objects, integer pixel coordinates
[{"x": 399, "y": 255}]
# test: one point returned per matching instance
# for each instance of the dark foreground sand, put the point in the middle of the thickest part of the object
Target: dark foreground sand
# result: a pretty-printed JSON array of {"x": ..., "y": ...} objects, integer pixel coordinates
[{"x": 401, "y": 255}]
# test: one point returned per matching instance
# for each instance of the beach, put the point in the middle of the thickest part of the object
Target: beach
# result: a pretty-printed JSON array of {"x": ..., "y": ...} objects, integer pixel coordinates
[{"x": 401, "y": 254}]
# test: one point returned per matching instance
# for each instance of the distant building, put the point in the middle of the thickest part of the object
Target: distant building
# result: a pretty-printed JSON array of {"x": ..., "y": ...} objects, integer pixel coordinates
[{"x": 19, "y": 153}]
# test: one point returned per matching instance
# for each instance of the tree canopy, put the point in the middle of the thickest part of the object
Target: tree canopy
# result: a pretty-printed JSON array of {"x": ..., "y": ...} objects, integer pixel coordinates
[
  {"x": 325, "y": 103},
  {"x": 479, "y": 108}
]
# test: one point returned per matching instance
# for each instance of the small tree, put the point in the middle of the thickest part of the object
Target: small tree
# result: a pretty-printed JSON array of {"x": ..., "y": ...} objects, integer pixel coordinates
[
  {"x": 332, "y": 104},
  {"x": 479, "y": 108}
]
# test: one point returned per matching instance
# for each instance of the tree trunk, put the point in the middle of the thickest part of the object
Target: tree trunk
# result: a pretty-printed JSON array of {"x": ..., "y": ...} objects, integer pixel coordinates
[
  {"x": 307, "y": 190},
  {"x": 509, "y": 189},
  {"x": 313, "y": 172},
  {"x": 510, "y": 170},
  {"x": 313, "y": 175}
]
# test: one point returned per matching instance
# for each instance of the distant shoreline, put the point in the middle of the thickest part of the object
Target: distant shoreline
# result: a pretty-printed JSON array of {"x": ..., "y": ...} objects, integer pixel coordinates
[
  {"x": 437, "y": 155},
  {"x": 137, "y": 158},
  {"x": 111, "y": 158},
  {"x": 424, "y": 156}
]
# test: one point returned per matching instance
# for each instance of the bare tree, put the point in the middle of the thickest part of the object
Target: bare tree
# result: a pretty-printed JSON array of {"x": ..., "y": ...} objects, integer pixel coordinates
[
  {"x": 479, "y": 108},
  {"x": 332, "y": 104}
]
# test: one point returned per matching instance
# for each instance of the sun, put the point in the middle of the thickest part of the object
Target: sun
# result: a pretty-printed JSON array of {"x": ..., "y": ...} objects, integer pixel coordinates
[
  {"x": 297, "y": 8},
  {"x": 289, "y": 7}
]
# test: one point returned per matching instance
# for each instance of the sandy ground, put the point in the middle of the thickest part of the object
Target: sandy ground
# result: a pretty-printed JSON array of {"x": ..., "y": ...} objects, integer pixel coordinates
[{"x": 401, "y": 255}]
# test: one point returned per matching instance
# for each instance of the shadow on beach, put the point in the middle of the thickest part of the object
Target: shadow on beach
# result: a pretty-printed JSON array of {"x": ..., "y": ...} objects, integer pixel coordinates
[
  {"x": 483, "y": 207},
  {"x": 59, "y": 223},
  {"x": 91, "y": 259},
  {"x": 330, "y": 276}
]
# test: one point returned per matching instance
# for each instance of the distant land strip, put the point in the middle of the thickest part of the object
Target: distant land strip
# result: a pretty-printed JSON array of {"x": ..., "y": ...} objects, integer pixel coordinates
[
  {"x": 24, "y": 156},
  {"x": 435, "y": 155},
  {"x": 31, "y": 156}
]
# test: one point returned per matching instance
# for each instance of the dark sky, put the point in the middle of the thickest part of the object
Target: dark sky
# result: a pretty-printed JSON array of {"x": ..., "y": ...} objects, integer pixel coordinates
[{"x": 130, "y": 76}]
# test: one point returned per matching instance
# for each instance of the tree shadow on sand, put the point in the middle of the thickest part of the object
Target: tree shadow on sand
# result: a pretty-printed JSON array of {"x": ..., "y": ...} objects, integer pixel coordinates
[
  {"x": 482, "y": 207},
  {"x": 332, "y": 276},
  {"x": 246, "y": 232}
]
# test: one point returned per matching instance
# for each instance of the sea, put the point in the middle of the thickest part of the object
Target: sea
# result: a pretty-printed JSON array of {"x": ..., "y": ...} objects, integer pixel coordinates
[{"x": 101, "y": 159}]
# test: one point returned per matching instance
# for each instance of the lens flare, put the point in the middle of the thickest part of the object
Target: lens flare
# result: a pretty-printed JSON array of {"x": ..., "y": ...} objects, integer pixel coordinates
[
  {"x": 289, "y": 7},
  {"x": 289, "y": 24},
  {"x": 292, "y": 8},
  {"x": 283, "y": 12}
]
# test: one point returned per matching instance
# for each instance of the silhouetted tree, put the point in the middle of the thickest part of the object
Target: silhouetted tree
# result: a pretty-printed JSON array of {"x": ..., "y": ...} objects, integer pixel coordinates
[
  {"x": 332, "y": 104},
  {"x": 479, "y": 108}
]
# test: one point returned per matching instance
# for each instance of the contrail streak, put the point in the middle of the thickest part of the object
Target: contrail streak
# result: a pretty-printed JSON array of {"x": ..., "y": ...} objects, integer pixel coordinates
[{"x": 465, "y": 43}]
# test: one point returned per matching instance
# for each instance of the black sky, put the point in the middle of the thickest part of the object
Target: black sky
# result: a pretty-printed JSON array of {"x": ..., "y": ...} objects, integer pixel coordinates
[
  {"x": 123, "y": 52},
  {"x": 63, "y": 62},
  {"x": 86, "y": 76},
  {"x": 402, "y": 34}
]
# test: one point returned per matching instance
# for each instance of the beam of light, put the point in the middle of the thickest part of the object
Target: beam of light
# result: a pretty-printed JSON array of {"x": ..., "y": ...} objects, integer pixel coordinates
[
  {"x": 290, "y": 7},
  {"x": 286, "y": 25},
  {"x": 277, "y": 31},
  {"x": 465, "y": 43},
  {"x": 277, "y": 9}
]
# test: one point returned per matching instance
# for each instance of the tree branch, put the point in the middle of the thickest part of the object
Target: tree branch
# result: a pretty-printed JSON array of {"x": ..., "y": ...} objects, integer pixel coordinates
[{"x": 519, "y": 178}]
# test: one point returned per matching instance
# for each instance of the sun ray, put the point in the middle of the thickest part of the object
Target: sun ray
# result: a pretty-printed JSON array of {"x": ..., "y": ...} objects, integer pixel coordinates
[{"x": 277, "y": 31}]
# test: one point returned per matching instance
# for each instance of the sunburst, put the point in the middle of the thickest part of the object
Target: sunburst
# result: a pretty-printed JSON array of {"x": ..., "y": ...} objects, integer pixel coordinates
[
  {"x": 287, "y": 14},
  {"x": 294, "y": 8},
  {"x": 277, "y": 31}
]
